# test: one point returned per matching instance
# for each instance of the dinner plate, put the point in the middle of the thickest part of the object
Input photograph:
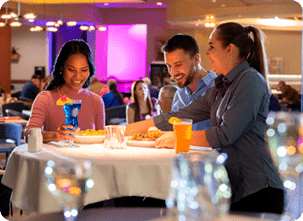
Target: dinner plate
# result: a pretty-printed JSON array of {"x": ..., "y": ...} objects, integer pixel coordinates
[
  {"x": 135, "y": 143},
  {"x": 89, "y": 139}
]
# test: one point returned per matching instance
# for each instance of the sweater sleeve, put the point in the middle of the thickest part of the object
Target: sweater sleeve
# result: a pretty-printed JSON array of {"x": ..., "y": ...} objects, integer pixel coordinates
[{"x": 38, "y": 113}]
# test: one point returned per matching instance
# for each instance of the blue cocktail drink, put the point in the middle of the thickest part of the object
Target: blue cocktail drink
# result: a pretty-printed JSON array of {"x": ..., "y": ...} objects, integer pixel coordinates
[{"x": 71, "y": 115}]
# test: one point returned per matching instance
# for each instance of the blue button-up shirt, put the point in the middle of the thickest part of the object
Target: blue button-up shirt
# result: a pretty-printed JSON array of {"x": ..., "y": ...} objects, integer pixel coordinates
[{"x": 183, "y": 97}]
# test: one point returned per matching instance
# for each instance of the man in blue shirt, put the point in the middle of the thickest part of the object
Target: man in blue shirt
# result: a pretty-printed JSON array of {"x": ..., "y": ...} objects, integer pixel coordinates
[
  {"x": 181, "y": 53},
  {"x": 32, "y": 87}
]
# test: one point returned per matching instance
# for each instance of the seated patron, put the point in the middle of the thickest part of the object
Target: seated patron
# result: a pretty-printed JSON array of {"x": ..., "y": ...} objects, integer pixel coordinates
[
  {"x": 182, "y": 57},
  {"x": 71, "y": 76},
  {"x": 142, "y": 106},
  {"x": 32, "y": 87},
  {"x": 166, "y": 96},
  {"x": 113, "y": 98},
  {"x": 96, "y": 86},
  {"x": 290, "y": 95}
]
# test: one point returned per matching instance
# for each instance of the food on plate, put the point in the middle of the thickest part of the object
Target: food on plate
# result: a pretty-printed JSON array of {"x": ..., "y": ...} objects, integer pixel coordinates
[
  {"x": 91, "y": 132},
  {"x": 152, "y": 134},
  {"x": 174, "y": 119}
]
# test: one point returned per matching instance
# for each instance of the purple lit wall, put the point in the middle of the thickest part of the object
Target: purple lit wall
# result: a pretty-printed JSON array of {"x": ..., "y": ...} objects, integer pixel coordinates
[{"x": 121, "y": 54}]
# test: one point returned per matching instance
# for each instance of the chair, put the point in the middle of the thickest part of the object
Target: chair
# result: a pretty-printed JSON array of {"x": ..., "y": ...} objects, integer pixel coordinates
[
  {"x": 10, "y": 112},
  {"x": 115, "y": 115},
  {"x": 10, "y": 136},
  {"x": 17, "y": 106}
]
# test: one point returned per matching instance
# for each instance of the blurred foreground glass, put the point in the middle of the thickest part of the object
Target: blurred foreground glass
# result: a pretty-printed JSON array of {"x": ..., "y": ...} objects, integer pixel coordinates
[
  {"x": 114, "y": 137},
  {"x": 183, "y": 132},
  {"x": 284, "y": 135},
  {"x": 69, "y": 181},
  {"x": 71, "y": 116},
  {"x": 199, "y": 189}
]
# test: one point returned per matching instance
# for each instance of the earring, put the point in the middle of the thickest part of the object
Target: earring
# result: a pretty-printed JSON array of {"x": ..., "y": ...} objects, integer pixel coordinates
[{"x": 60, "y": 72}]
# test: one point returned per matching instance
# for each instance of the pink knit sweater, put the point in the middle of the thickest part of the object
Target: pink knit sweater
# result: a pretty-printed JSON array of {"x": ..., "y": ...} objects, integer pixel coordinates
[{"x": 48, "y": 116}]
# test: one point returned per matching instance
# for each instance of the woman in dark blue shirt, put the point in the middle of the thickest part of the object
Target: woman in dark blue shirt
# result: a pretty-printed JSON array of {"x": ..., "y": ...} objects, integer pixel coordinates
[{"x": 237, "y": 107}]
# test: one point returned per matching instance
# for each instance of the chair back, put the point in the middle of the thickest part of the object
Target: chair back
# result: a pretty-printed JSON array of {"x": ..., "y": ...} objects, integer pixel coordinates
[
  {"x": 11, "y": 131},
  {"x": 115, "y": 112},
  {"x": 17, "y": 106}
]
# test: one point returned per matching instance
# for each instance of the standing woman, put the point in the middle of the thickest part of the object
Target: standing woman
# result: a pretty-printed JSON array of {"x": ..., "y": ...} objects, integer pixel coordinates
[
  {"x": 143, "y": 106},
  {"x": 237, "y": 106},
  {"x": 72, "y": 72}
]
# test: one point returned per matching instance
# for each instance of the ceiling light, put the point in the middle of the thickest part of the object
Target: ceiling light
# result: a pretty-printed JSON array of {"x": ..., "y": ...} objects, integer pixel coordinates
[
  {"x": 159, "y": 3},
  {"x": 29, "y": 16},
  {"x": 37, "y": 28},
  {"x": 52, "y": 29},
  {"x": 102, "y": 28},
  {"x": 71, "y": 23},
  {"x": 15, "y": 24},
  {"x": 13, "y": 15},
  {"x": 83, "y": 28},
  {"x": 2, "y": 24},
  {"x": 50, "y": 23},
  {"x": 91, "y": 28},
  {"x": 59, "y": 22},
  {"x": 6, "y": 16}
]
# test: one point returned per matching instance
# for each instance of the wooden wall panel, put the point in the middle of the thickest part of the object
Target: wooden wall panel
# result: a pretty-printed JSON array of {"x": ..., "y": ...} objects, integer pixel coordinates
[{"x": 5, "y": 58}]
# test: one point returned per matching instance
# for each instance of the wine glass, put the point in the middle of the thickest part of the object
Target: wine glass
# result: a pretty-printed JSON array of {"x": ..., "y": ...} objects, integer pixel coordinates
[
  {"x": 199, "y": 189},
  {"x": 71, "y": 116},
  {"x": 284, "y": 135},
  {"x": 69, "y": 181}
]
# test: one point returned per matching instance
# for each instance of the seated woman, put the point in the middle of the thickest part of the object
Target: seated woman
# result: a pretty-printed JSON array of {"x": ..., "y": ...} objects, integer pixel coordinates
[
  {"x": 71, "y": 75},
  {"x": 113, "y": 98},
  {"x": 143, "y": 106}
]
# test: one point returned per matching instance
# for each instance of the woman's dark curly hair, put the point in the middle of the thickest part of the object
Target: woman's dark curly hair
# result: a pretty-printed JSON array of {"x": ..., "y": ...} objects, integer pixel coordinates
[{"x": 72, "y": 47}]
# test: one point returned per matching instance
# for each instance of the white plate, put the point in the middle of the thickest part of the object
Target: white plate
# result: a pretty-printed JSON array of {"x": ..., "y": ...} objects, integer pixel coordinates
[
  {"x": 136, "y": 143},
  {"x": 89, "y": 139},
  {"x": 201, "y": 148}
]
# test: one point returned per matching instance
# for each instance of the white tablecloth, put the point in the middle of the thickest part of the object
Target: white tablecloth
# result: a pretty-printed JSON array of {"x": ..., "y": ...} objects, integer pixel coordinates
[{"x": 133, "y": 171}]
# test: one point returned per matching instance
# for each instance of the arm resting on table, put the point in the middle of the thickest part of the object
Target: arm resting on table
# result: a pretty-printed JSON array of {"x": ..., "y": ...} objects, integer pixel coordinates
[
  {"x": 139, "y": 127},
  {"x": 198, "y": 138}
]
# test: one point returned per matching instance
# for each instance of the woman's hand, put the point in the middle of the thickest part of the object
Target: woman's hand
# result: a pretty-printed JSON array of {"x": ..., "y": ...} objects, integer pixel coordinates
[
  {"x": 64, "y": 132},
  {"x": 166, "y": 141}
]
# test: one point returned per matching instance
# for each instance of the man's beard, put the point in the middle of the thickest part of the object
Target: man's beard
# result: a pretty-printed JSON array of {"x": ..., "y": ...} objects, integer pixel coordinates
[{"x": 190, "y": 77}]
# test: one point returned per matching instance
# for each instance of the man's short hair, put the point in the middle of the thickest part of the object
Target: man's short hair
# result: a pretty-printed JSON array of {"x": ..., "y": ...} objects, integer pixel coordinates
[
  {"x": 171, "y": 89},
  {"x": 181, "y": 41},
  {"x": 36, "y": 76}
]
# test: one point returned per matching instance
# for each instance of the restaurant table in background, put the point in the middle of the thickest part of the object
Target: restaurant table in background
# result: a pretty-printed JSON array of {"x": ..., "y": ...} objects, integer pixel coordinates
[
  {"x": 133, "y": 171},
  {"x": 137, "y": 214}
]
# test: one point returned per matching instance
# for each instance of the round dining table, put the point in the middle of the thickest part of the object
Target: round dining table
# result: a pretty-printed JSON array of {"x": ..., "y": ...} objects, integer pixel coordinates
[{"x": 134, "y": 171}]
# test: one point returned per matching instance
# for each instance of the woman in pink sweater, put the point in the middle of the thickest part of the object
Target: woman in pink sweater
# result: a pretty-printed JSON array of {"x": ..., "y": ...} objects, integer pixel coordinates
[{"x": 72, "y": 72}]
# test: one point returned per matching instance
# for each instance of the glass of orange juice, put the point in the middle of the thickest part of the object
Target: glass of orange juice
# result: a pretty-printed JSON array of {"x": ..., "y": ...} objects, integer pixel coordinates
[{"x": 182, "y": 130}]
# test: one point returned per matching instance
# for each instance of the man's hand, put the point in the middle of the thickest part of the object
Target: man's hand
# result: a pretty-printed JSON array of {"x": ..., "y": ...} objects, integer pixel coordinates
[{"x": 166, "y": 141}]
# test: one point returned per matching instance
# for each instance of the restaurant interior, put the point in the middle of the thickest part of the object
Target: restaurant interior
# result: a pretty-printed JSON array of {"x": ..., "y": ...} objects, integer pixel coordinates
[{"x": 126, "y": 36}]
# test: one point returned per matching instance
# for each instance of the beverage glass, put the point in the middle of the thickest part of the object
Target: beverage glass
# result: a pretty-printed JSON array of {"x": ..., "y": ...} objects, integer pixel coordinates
[
  {"x": 284, "y": 135},
  {"x": 183, "y": 131},
  {"x": 68, "y": 181},
  {"x": 114, "y": 137},
  {"x": 199, "y": 189},
  {"x": 71, "y": 116}
]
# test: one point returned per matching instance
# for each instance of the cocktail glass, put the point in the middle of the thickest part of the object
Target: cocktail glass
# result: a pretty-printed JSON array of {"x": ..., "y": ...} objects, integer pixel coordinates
[
  {"x": 284, "y": 134},
  {"x": 68, "y": 181},
  {"x": 71, "y": 116},
  {"x": 183, "y": 131}
]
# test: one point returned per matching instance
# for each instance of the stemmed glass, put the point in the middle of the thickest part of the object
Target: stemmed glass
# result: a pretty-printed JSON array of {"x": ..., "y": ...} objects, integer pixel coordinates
[
  {"x": 285, "y": 141},
  {"x": 69, "y": 181},
  {"x": 199, "y": 189},
  {"x": 71, "y": 116}
]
